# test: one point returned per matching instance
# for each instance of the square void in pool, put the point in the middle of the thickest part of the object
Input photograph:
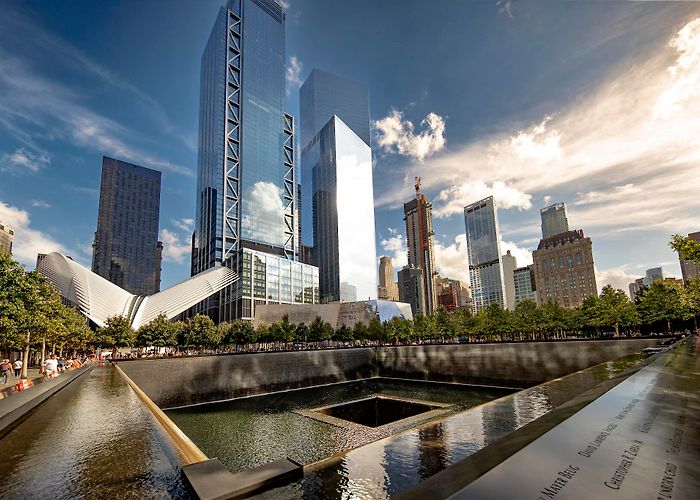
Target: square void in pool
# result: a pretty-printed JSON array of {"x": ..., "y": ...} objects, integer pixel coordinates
[{"x": 375, "y": 411}]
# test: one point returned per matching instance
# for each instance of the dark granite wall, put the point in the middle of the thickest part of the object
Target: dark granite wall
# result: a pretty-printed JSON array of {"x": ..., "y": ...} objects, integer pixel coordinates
[
  {"x": 521, "y": 364},
  {"x": 182, "y": 381}
]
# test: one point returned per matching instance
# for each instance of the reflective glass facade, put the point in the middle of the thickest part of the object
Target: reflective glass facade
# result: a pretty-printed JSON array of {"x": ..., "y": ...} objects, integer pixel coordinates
[
  {"x": 273, "y": 279},
  {"x": 126, "y": 250},
  {"x": 337, "y": 186},
  {"x": 484, "y": 251},
  {"x": 246, "y": 179},
  {"x": 324, "y": 95},
  {"x": 554, "y": 220}
]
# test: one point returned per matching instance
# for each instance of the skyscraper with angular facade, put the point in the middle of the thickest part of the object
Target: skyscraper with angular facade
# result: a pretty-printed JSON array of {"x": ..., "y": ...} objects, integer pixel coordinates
[
  {"x": 388, "y": 288},
  {"x": 126, "y": 250},
  {"x": 337, "y": 195},
  {"x": 418, "y": 215},
  {"x": 246, "y": 177},
  {"x": 554, "y": 220},
  {"x": 484, "y": 252}
]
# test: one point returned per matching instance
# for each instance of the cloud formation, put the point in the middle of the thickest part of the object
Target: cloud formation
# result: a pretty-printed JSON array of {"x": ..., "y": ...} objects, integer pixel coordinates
[
  {"x": 625, "y": 153},
  {"x": 28, "y": 242},
  {"x": 293, "y": 73},
  {"x": 23, "y": 159},
  {"x": 453, "y": 199},
  {"x": 397, "y": 135},
  {"x": 174, "y": 250}
]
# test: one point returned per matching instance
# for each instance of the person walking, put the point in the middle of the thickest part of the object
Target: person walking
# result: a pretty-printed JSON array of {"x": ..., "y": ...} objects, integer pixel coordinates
[
  {"x": 17, "y": 366},
  {"x": 5, "y": 368}
]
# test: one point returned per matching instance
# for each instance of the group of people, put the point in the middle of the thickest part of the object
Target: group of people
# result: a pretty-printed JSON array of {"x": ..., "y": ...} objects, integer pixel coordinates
[
  {"x": 53, "y": 365},
  {"x": 6, "y": 366}
]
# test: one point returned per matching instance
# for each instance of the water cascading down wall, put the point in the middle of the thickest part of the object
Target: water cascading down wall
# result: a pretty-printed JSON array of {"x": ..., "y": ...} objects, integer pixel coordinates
[{"x": 182, "y": 381}]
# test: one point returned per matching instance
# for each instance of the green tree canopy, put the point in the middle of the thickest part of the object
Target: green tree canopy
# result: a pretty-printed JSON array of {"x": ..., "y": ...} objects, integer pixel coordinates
[
  {"x": 116, "y": 332},
  {"x": 159, "y": 332},
  {"x": 662, "y": 301},
  {"x": 687, "y": 248}
]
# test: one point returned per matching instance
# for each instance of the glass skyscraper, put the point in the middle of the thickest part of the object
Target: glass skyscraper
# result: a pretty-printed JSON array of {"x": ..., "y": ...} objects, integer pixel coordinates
[
  {"x": 337, "y": 195},
  {"x": 554, "y": 220},
  {"x": 246, "y": 178},
  {"x": 484, "y": 251},
  {"x": 126, "y": 250},
  {"x": 324, "y": 95}
]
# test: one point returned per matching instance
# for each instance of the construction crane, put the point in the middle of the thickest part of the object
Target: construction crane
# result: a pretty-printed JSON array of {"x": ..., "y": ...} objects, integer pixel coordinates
[{"x": 417, "y": 184}]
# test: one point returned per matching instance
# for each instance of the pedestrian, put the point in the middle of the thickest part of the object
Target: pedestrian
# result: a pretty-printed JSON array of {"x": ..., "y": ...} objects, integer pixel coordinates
[
  {"x": 17, "y": 365},
  {"x": 51, "y": 366},
  {"x": 5, "y": 368}
]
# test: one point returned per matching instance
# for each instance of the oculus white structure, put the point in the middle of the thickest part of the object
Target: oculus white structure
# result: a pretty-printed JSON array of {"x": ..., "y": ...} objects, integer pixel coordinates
[{"x": 99, "y": 299}]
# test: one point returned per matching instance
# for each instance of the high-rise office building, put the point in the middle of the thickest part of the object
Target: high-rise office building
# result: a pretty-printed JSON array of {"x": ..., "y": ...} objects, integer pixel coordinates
[
  {"x": 554, "y": 220},
  {"x": 246, "y": 197},
  {"x": 126, "y": 250},
  {"x": 689, "y": 269},
  {"x": 323, "y": 95},
  {"x": 484, "y": 252},
  {"x": 388, "y": 288},
  {"x": 7, "y": 236},
  {"x": 525, "y": 287},
  {"x": 635, "y": 287},
  {"x": 564, "y": 269},
  {"x": 337, "y": 195},
  {"x": 411, "y": 290},
  {"x": 509, "y": 265},
  {"x": 652, "y": 275},
  {"x": 418, "y": 215}
]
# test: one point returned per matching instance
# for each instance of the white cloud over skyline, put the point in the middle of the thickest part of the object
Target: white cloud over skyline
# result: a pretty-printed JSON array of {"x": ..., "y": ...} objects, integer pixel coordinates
[
  {"x": 396, "y": 134},
  {"x": 627, "y": 152},
  {"x": 28, "y": 242}
]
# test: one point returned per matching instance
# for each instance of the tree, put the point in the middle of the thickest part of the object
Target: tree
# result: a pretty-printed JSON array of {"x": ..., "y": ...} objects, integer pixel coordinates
[
  {"x": 343, "y": 334},
  {"x": 691, "y": 298},
  {"x": 614, "y": 308},
  {"x": 200, "y": 331},
  {"x": 687, "y": 248},
  {"x": 159, "y": 332},
  {"x": 359, "y": 331},
  {"x": 319, "y": 330},
  {"x": 662, "y": 301},
  {"x": 116, "y": 332},
  {"x": 399, "y": 329},
  {"x": 423, "y": 327},
  {"x": 527, "y": 318},
  {"x": 443, "y": 324},
  {"x": 375, "y": 330},
  {"x": 240, "y": 333}
]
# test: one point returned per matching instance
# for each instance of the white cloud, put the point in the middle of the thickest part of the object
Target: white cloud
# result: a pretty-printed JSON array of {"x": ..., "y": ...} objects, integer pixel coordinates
[
  {"x": 600, "y": 196},
  {"x": 263, "y": 214},
  {"x": 451, "y": 259},
  {"x": 523, "y": 256},
  {"x": 452, "y": 200},
  {"x": 174, "y": 249},
  {"x": 184, "y": 224},
  {"x": 618, "y": 277},
  {"x": 505, "y": 7},
  {"x": 395, "y": 245},
  {"x": 28, "y": 242},
  {"x": 33, "y": 106},
  {"x": 536, "y": 144},
  {"x": 40, "y": 204},
  {"x": 24, "y": 159},
  {"x": 395, "y": 134},
  {"x": 630, "y": 145},
  {"x": 284, "y": 4},
  {"x": 293, "y": 74}
]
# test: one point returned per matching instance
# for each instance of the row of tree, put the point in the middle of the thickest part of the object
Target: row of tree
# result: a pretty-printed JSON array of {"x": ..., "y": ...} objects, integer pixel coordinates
[
  {"x": 33, "y": 317},
  {"x": 662, "y": 306}
]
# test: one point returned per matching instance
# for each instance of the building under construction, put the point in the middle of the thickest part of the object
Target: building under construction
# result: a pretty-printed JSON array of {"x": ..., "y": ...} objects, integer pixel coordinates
[{"x": 419, "y": 240}]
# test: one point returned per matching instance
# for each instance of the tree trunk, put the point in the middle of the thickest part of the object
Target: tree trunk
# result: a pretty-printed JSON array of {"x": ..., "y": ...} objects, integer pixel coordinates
[
  {"x": 668, "y": 323},
  {"x": 43, "y": 351},
  {"x": 617, "y": 329},
  {"x": 25, "y": 355}
]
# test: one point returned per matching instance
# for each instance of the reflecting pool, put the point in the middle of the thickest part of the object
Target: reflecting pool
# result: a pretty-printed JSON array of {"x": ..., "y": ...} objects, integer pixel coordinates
[{"x": 247, "y": 432}]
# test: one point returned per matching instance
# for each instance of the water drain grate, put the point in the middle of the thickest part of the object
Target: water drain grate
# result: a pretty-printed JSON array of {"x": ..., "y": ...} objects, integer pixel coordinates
[{"x": 377, "y": 410}]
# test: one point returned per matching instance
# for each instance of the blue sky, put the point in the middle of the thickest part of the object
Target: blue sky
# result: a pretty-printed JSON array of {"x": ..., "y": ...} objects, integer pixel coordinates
[{"x": 596, "y": 104}]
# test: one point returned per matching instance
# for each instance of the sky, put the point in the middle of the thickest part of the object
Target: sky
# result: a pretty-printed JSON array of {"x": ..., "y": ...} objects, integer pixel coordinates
[{"x": 596, "y": 104}]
